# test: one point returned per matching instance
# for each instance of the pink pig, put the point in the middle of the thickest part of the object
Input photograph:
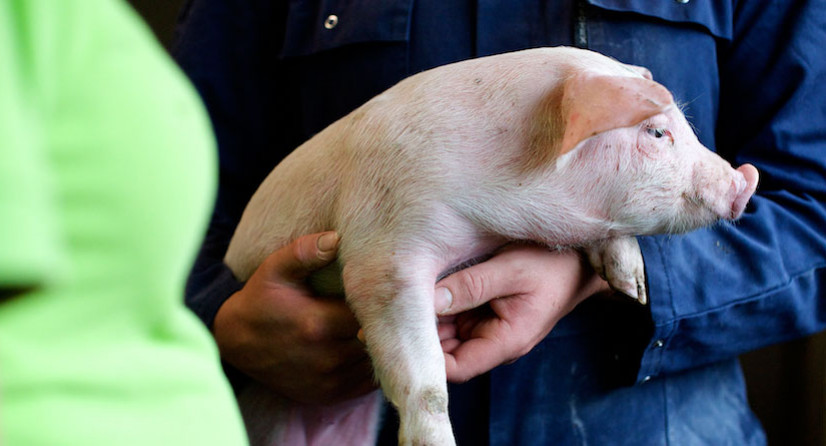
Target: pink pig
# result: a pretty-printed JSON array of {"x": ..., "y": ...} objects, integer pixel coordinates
[{"x": 559, "y": 146}]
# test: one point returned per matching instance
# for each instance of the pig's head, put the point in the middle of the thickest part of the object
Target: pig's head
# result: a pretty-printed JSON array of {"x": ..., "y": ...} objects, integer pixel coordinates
[{"x": 629, "y": 148}]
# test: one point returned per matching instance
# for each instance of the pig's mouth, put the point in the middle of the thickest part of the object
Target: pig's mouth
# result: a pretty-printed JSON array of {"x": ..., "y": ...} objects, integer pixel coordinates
[{"x": 727, "y": 201}]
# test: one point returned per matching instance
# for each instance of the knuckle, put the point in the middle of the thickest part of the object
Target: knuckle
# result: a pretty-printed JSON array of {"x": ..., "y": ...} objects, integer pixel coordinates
[
  {"x": 472, "y": 286},
  {"x": 521, "y": 272},
  {"x": 313, "y": 330},
  {"x": 300, "y": 251}
]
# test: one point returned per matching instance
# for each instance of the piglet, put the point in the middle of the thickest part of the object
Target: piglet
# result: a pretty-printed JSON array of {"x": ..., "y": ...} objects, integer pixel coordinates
[{"x": 558, "y": 146}]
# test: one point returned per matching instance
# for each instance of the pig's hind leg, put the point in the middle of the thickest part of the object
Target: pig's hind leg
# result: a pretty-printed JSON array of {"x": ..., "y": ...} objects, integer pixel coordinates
[
  {"x": 393, "y": 300},
  {"x": 619, "y": 261}
]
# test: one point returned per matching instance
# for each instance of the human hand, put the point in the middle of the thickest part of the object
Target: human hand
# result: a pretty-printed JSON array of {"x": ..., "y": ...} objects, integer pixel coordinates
[
  {"x": 528, "y": 290},
  {"x": 302, "y": 346}
]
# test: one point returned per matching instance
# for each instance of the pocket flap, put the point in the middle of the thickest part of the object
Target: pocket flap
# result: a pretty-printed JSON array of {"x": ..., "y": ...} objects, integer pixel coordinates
[
  {"x": 318, "y": 26},
  {"x": 713, "y": 15}
]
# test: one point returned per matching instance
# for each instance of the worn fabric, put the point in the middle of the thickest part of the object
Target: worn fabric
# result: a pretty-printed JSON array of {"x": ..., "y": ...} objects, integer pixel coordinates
[
  {"x": 752, "y": 82},
  {"x": 107, "y": 172}
]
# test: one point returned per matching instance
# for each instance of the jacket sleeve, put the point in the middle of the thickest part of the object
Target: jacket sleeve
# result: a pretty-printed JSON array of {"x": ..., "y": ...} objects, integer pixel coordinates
[
  {"x": 735, "y": 287},
  {"x": 228, "y": 50}
]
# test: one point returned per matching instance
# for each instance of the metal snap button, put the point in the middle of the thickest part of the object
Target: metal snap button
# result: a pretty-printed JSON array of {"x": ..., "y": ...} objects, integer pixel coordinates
[{"x": 331, "y": 21}]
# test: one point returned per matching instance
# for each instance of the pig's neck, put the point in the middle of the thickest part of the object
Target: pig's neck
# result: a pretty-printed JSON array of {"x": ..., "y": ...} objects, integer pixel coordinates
[
  {"x": 545, "y": 207},
  {"x": 575, "y": 207},
  {"x": 576, "y": 199},
  {"x": 563, "y": 221}
]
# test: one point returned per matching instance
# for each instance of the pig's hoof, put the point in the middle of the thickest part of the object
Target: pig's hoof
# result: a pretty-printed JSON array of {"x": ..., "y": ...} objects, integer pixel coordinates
[
  {"x": 634, "y": 289},
  {"x": 432, "y": 438},
  {"x": 619, "y": 261},
  {"x": 427, "y": 430}
]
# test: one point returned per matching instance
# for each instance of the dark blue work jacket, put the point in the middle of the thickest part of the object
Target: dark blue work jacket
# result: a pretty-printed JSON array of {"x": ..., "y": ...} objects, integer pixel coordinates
[{"x": 752, "y": 78}]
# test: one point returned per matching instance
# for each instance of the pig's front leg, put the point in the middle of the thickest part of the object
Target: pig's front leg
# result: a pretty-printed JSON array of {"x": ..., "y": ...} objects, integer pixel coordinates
[
  {"x": 619, "y": 261},
  {"x": 393, "y": 300}
]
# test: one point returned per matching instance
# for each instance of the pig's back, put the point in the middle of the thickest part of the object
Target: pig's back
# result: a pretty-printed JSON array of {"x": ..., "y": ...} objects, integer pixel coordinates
[{"x": 455, "y": 135}]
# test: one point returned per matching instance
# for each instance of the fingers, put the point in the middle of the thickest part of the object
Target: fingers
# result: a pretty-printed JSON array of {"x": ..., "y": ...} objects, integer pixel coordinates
[
  {"x": 304, "y": 255},
  {"x": 527, "y": 290},
  {"x": 484, "y": 343},
  {"x": 472, "y": 358},
  {"x": 475, "y": 342},
  {"x": 447, "y": 328},
  {"x": 476, "y": 285},
  {"x": 277, "y": 330}
]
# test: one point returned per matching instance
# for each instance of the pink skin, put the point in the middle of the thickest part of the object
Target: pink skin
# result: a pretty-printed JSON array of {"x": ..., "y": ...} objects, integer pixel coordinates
[
  {"x": 525, "y": 307},
  {"x": 562, "y": 147},
  {"x": 743, "y": 190},
  {"x": 649, "y": 178}
]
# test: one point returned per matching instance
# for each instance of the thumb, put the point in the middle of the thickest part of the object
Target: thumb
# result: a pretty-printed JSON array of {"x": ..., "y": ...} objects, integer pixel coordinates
[
  {"x": 474, "y": 286},
  {"x": 304, "y": 255}
]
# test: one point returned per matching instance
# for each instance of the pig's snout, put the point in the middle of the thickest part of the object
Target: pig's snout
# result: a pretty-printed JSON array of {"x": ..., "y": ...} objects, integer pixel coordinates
[
  {"x": 744, "y": 185},
  {"x": 721, "y": 190}
]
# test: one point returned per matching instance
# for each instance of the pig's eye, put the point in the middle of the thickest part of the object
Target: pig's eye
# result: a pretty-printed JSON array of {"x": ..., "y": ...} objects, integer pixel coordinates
[{"x": 658, "y": 132}]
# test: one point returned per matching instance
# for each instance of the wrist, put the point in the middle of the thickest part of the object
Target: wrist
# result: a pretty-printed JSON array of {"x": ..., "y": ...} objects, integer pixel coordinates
[{"x": 227, "y": 329}]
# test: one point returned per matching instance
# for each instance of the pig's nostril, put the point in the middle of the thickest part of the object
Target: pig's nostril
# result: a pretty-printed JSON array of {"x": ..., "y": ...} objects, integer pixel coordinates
[
  {"x": 746, "y": 183},
  {"x": 750, "y": 175},
  {"x": 739, "y": 183}
]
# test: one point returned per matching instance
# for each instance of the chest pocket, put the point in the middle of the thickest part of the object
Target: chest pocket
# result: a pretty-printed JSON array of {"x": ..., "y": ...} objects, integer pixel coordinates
[
  {"x": 338, "y": 54},
  {"x": 317, "y": 26},
  {"x": 712, "y": 16},
  {"x": 679, "y": 43}
]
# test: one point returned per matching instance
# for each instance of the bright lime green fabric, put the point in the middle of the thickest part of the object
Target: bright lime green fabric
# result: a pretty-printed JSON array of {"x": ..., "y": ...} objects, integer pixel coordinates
[{"x": 106, "y": 179}]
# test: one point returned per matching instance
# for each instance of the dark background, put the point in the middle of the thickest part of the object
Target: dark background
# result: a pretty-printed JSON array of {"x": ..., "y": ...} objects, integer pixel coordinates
[{"x": 786, "y": 383}]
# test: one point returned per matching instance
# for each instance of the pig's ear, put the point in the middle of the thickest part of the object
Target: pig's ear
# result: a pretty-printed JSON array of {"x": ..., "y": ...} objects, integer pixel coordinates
[{"x": 595, "y": 103}]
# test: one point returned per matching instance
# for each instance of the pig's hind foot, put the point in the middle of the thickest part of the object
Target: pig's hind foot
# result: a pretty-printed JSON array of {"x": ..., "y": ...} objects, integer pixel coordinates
[
  {"x": 429, "y": 425},
  {"x": 619, "y": 261}
]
